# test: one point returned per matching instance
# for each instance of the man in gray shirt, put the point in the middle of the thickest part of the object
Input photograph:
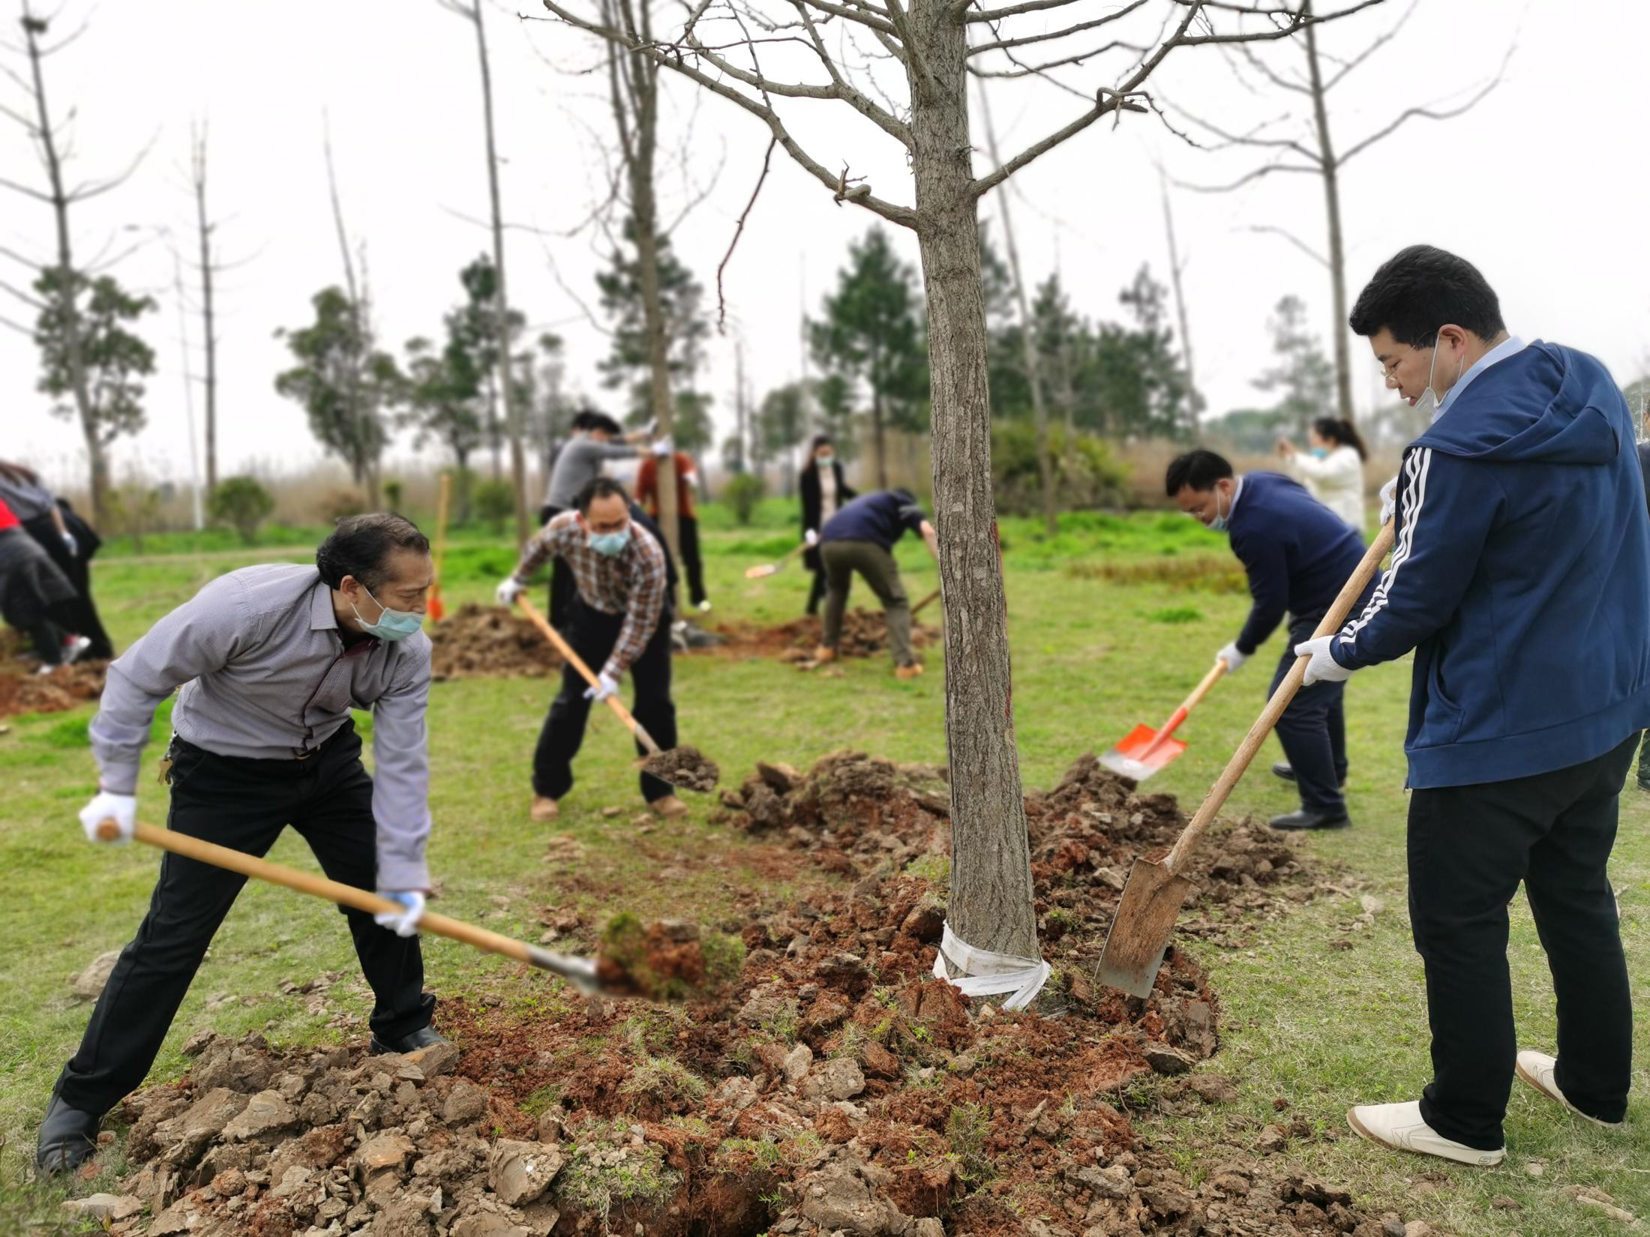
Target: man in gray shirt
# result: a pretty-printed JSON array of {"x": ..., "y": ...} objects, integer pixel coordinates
[
  {"x": 597, "y": 438},
  {"x": 271, "y": 659}
]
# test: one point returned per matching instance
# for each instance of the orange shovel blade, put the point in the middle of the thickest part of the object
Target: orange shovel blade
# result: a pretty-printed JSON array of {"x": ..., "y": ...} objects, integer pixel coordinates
[
  {"x": 1136, "y": 758},
  {"x": 436, "y": 610}
]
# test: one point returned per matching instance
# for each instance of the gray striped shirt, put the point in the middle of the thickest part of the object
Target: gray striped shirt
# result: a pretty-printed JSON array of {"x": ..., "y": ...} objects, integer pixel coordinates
[{"x": 266, "y": 675}]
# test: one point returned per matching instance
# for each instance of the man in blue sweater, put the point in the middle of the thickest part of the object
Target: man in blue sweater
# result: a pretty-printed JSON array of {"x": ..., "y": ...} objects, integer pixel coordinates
[
  {"x": 1297, "y": 553},
  {"x": 1520, "y": 577},
  {"x": 859, "y": 539}
]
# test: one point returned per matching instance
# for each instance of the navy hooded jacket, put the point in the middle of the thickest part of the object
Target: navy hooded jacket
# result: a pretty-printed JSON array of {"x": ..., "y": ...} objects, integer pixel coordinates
[
  {"x": 1296, "y": 551},
  {"x": 1520, "y": 576}
]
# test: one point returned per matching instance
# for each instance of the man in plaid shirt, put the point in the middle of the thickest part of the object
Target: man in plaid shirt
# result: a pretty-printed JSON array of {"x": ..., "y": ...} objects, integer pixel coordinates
[{"x": 622, "y": 623}]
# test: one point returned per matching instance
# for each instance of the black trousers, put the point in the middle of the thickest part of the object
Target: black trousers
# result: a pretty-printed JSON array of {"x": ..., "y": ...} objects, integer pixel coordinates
[
  {"x": 1644, "y": 762},
  {"x": 1469, "y": 847},
  {"x": 818, "y": 589},
  {"x": 593, "y": 636},
  {"x": 78, "y": 614},
  {"x": 243, "y": 804},
  {"x": 1313, "y": 731},
  {"x": 687, "y": 533}
]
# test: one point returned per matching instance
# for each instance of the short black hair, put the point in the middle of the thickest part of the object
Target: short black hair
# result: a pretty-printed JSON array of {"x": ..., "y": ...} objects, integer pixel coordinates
[
  {"x": 598, "y": 487},
  {"x": 1421, "y": 289},
  {"x": 1199, "y": 469},
  {"x": 361, "y": 546}
]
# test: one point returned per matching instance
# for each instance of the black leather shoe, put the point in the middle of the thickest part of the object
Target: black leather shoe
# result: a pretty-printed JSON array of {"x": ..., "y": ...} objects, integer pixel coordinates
[
  {"x": 424, "y": 1037},
  {"x": 68, "y": 1138},
  {"x": 1282, "y": 769},
  {"x": 1310, "y": 820}
]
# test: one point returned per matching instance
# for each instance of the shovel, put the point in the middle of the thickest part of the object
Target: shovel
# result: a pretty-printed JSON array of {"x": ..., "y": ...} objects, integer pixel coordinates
[
  {"x": 1151, "y": 900},
  {"x": 613, "y": 702},
  {"x": 925, "y": 603},
  {"x": 1144, "y": 751},
  {"x": 580, "y": 972},
  {"x": 444, "y": 494},
  {"x": 768, "y": 569}
]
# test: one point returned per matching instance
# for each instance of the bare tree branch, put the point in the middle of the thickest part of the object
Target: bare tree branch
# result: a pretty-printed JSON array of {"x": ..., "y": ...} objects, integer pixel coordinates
[
  {"x": 1427, "y": 113},
  {"x": 1027, "y": 6},
  {"x": 1246, "y": 178},
  {"x": 25, "y": 190},
  {"x": 1299, "y": 20},
  {"x": 29, "y": 299},
  {"x": 738, "y": 231},
  {"x": 1367, "y": 52},
  {"x": 16, "y": 326},
  {"x": 1293, "y": 240},
  {"x": 1025, "y": 40},
  {"x": 92, "y": 189}
]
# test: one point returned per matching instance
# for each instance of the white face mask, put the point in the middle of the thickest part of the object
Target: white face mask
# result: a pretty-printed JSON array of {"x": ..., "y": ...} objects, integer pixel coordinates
[{"x": 1436, "y": 407}]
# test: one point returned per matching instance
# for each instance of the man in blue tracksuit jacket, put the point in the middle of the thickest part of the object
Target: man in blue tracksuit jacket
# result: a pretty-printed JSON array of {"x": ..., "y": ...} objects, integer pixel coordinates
[
  {"x": 1520, "y": 576},
  {"x": 1297, "y": 554}
]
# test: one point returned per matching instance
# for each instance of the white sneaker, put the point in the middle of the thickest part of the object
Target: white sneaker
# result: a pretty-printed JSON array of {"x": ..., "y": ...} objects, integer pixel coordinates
[
  {"x": 74, "y": 648},
  {"x": 1540, "y": 1071},
  {"x": 704, "y": 606},
  {"x": 1400, "y": 1127}
]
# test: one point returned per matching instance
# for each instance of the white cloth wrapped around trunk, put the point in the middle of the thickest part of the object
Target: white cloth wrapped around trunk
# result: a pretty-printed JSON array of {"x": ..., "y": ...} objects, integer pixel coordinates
[{"x": 983, "y": 973}]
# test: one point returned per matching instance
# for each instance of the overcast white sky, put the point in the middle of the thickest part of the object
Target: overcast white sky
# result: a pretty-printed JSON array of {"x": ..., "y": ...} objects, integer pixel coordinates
[{"x": 1541, "y": 186}]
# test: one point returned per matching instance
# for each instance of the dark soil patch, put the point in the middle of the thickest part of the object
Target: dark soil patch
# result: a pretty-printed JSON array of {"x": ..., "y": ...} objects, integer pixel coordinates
[
  {"x": 834, "y": 1086},
  {"x": 864, "y": 634},
  {"x": 685, "y": 766},
  {"x": 478, "y": 641},
  {"x": 24, "y": 691}
]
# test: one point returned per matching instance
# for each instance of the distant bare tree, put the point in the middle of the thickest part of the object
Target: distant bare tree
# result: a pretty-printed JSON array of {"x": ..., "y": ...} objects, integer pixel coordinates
[
  {"x": 53, "y": 142},
  {"x": 1315, "y": 154},
  {"x": 915, "y": 92}
]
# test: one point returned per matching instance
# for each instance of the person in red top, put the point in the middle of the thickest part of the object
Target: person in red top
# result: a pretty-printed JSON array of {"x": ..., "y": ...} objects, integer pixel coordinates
[
  {"x": 32, "y": 594},
  {"x": 687, "y": 520}
]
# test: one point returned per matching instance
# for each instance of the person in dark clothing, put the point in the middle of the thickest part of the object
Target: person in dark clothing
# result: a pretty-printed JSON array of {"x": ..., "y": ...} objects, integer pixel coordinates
[
  {"x": 825, "y": 490},
  {"x": 1298, "y": 554},
  {"x": 860, "y": 538},
  {"x": 33, "y": 594},
  {"x": 68, "y": 541},
  {"x": 1520, "y": 579},
  {"x": 1644, "y": 750},
  {"x": 622, "y": 622}
]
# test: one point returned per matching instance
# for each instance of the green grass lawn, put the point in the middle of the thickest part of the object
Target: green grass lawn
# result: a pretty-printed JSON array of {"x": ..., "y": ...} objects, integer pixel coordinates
[{"x": 1317, "y": 1027}]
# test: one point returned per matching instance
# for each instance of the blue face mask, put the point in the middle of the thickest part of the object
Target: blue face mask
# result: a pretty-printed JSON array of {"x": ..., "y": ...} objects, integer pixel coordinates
[
  {"x": 1319, "y": 452},
  {"x": 391, "y": 624},
  {"x": 610, "y": 544},
  {"x": 824, "y": 461}
]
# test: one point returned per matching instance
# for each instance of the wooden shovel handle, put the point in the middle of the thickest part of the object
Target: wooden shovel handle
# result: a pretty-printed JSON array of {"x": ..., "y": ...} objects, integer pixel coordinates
[
  {"x": 577, "y": 662},
  {"x": 925, "y": 603},
  {"x": 1186, "y": 706},
  {"x": 1235, "y": 768},
  {"x": 317, "y": 886}
]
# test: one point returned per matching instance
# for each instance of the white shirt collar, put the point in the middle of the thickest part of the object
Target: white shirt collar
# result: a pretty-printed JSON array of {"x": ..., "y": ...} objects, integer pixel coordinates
[
  {"x": 1237, "y": 493},
  {"x": 1500, "y": 352}
]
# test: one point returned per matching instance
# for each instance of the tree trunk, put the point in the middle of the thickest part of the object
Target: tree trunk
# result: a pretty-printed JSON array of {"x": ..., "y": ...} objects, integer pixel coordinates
[
  {"x": 1193, "y": 403},
  {"x": 991, "y": 890},
  {"x": 878, "y": 441},
  {"x": 501, "y": 303},
  {"x": 1029, "y": 344},
  {"x": 1337, "y": 248},
  {"x": 68, "y": 304},
  {"x": 208, "y": 320}
]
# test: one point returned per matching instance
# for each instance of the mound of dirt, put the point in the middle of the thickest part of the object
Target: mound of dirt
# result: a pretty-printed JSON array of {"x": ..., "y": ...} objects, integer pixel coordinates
[
  {"x": 23, "y": 691},
  {"x": 668, "y": 961},
  {"x": 832, "y": 1087},
  {"x": 685, "y": 766},
  {"x": 476, "y": 642},
  {"x": 864, "y": 634}
]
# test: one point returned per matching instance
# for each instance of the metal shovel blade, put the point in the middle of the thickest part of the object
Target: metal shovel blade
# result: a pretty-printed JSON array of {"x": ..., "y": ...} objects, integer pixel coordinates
[
  {"x": 1140, "y": 931},
  {"x": 580, "y": 972},
  {"x": 1136, "y": 756}
]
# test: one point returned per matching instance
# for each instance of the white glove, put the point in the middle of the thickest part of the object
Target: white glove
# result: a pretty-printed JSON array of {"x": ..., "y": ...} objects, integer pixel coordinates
[
  {"x": 811, "y": 537},
  {"x": 403, "y": 922},
  {"x": 606, "y": 685},
  {"x": 122, "y": 809},
  {"x": 692, "y": 478},
  {"x": 652, "y": 427},
  {"x": 509, "y": 591},
  {"x": 1389, "y": 493},
  {"x": 1323, "y": 668},
  {"x": 663, "y": 446},
  {"x": 72, "y": 544},
  {"x": 1234, "y": 660}
]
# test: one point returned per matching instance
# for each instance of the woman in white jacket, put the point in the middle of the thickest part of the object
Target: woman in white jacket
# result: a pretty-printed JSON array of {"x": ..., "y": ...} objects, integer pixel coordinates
[{"x": 1332, "y": 469}]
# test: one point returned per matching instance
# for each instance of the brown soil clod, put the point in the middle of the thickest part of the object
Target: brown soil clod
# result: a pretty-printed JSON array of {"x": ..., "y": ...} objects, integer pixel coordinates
[
  {"x": 478, "y": 641},
  {"x": 24, "y": 691},
  {"x": 685, "y": 767},
  {"x": 864, "y": 634},
  {"x": 666, "y": 961}
]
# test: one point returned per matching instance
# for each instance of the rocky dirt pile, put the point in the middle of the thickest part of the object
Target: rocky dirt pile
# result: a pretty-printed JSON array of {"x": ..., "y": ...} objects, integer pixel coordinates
[
  {"x": 857, "y": 813},
  {"x": 685, "y": 766},
  {"x": 864, "y": 634},
  {"x": 478, "y": 641},
  {"x": 23, "y": 691},
  {"x": 833, "y": 1088}
]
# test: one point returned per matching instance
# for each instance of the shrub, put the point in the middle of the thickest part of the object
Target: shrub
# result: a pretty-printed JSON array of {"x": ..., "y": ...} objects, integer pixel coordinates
[
  {"x": 1086, "y": 473},
  {"x": 495, "y": 502},
  {"x": 742, "y": 492},
  {"x": 339, "y": 504},
  {"x": 394, "y": 492},
  {"x": 243, "y": 503}
]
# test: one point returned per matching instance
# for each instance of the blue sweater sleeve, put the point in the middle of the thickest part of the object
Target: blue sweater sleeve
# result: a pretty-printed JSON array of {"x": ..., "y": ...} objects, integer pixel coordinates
[
  {"x": 1268, "y": 570},
  {"x": 1445, "y": 508}
]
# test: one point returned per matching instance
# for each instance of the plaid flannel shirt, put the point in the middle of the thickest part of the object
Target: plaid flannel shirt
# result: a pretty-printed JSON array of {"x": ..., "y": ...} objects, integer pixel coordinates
[{"x": 631, "y": 583}]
